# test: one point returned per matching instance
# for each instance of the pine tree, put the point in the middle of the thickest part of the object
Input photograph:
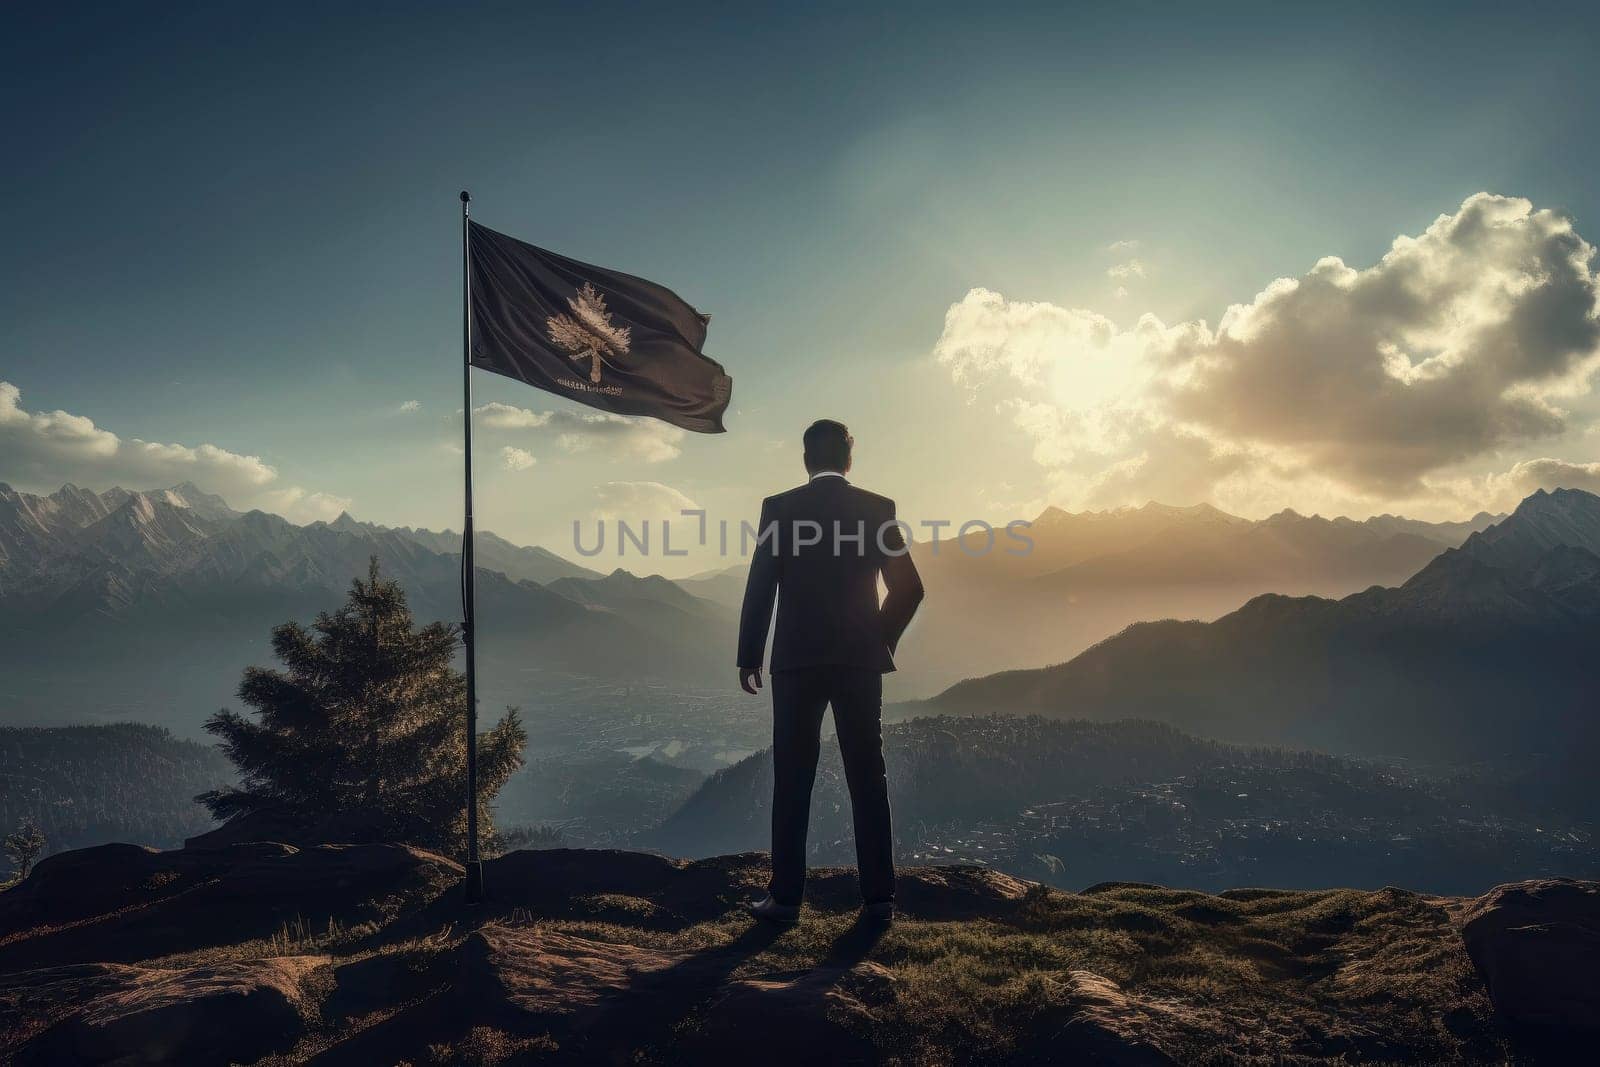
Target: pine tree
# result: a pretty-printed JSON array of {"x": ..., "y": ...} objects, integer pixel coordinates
[
  {"x": 367, "y": 717},
  {"x": 23, "y": 847}
]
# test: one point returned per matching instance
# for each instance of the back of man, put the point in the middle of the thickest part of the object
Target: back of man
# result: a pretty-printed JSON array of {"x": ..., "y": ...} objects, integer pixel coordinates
[
  {"x": 823, "y": 548},
  {"x": 828, "y": 610}
]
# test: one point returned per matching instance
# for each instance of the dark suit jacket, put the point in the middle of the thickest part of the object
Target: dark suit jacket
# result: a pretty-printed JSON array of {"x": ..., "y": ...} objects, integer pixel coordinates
[{"x": 827, "y": 592}]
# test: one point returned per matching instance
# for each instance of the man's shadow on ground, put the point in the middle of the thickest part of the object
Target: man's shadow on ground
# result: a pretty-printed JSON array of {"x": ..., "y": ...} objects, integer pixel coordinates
[
  {"x": 661, "y": 1001},
  {"x": 854, "y": 945}
]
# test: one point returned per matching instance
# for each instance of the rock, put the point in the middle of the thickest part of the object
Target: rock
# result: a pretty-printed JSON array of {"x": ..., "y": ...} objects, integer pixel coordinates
[
  {"x": 1100, "y": 1024},
  {"x": 666, "y": 894},
  {"x": 351, "y": 883},
  {"x": 932, "y": 893},
  {"x": 90, "y": 882},
  {"x": 372, "y": 984},
  {"x": 606, "y": 1002},
  {"x": 227, "y": 1013},
  {"x": 571, "y": 883},
  {"x": 817, "y": 1016},
  {"x": 33, "y": 1001},
  {"x": 1311, "y": 977},
  {"x": 530, "y": 979},
  {"x": 1537, "y": 946},
  {"x": 120, "y": 904},
  {"x": 267, "y": 824},
  {"x": 593, "y": 999}
]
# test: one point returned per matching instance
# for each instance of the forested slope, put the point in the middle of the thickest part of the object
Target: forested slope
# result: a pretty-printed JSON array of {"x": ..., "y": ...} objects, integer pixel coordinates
[{"x": 84, "y": 785}]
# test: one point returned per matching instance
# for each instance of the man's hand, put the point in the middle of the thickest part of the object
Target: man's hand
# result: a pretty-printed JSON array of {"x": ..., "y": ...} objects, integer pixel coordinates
[{"x": 750, "y": 679}]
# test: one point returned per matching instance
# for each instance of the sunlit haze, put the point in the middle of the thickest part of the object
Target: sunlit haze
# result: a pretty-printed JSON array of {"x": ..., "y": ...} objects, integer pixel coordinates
[{"x": 1201, "y": 268}]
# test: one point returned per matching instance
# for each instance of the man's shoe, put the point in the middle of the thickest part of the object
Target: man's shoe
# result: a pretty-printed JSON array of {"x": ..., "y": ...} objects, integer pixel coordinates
[
  {"x": 878, "y": 913},
  {"x": 768, "y": 910}
]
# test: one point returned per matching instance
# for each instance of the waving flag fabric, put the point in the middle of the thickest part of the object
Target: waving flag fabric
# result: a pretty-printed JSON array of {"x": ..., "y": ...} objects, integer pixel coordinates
[{"x": 597, "y": 336}]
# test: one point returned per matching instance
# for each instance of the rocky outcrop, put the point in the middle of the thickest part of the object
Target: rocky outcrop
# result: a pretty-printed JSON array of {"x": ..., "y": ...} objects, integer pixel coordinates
[
  {"x": 96, "y": 882},
  {"x": 120, "y": 903},
  {"x": 815, "y": 1016},
  {"x": 609, "y": 884},
  {"x": 530, "y": 979},
  {"x": 267, "y": 824},
  {"x": 595, "y": 998},
  {"x": 643, "y": 889},
  {"x": 228, "y": 1013},
  {"x": 953, "y": 893},
  {"x": 359, "y": 954},
  {"x": 1537, "y": 946}
]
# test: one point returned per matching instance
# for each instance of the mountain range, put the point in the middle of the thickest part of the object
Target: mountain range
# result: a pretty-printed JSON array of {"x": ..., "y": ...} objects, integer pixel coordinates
[
  {"x": 1090, "y": 574},
  {"x": 1487, "y": 651},
  {"x": 1087, "y": 575},
  {"x": 147, "y": 605}
]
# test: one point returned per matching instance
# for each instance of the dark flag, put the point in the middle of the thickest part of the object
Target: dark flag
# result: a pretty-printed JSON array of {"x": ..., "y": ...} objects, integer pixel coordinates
[{"x": 602, "y": 338}]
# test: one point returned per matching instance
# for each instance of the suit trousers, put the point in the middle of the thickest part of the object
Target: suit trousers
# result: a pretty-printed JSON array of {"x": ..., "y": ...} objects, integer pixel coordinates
[{"x": 799, "y": 698}]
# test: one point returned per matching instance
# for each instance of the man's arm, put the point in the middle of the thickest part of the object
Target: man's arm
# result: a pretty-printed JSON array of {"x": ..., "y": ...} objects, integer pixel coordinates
[
  {"x": 760, "y": 590},
  {"x": 903, "y": 582}
]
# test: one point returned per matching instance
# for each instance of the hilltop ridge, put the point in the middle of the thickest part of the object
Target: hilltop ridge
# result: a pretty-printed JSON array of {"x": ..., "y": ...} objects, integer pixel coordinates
[{"x": 361, "y": 954}]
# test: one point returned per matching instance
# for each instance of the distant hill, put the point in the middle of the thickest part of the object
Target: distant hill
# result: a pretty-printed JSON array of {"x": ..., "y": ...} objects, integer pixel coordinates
[
  {"x": 725, "y": 585},
  {"x": 1088, "y": 575},
  {"x": 622, "y": 590},
  {"x": 599, "y": 799},
  {"x": 1075, "y": 803},
  {"x": 1486, "y": 651},
  {"x": 122, "y": 605},
  {"x": 84, "y": 785}
]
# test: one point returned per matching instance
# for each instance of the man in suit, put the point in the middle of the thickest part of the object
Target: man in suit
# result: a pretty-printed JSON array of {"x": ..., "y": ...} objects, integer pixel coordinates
[{"x": 821, "y": 551}]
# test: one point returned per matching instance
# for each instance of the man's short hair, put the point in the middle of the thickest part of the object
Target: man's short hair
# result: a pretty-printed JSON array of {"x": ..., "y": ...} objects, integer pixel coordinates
[{"x": 828, "y": 446}]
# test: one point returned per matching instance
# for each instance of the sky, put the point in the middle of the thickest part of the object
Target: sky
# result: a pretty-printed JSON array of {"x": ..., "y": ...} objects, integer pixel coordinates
[{"x": 1336, "y": 259}]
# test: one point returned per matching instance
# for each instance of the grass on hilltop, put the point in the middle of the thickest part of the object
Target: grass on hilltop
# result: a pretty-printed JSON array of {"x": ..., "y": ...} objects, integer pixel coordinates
[{"x": 1250, "y": 976}]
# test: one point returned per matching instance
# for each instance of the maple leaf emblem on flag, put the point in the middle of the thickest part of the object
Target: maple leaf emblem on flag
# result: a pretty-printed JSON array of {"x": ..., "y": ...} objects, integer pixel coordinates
[{"x": 587, "y": 333}]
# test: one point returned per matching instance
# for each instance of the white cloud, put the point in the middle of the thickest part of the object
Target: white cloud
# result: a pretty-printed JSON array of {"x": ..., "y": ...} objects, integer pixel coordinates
[
  {"x": 1459, "y": 341},
  {"x": 1124, "y": 271},
  {"x": 410, "y": 407},
  {"x": 1122, "y": 246},
  {"x": 301, "y": 506},
  {"x": 1342, "y": 386},
  {"x": 516, "y": 459},
  {"x": 45, "y": 449},
  {"x": 639, "y": 501},
  {"x": 1523, "y": 478},
  {"x": 1076, "y": 358},
  {"x": 617, "y": 436},
  {"x": 1168, "y": 463}
]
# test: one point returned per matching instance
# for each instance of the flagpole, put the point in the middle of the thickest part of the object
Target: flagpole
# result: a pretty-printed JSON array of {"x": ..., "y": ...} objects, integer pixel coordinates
[{"x": 473, "y": 884}]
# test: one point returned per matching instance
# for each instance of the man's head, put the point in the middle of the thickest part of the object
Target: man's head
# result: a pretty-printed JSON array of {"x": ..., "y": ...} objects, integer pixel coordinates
[{"x": 828, "y": 446}]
